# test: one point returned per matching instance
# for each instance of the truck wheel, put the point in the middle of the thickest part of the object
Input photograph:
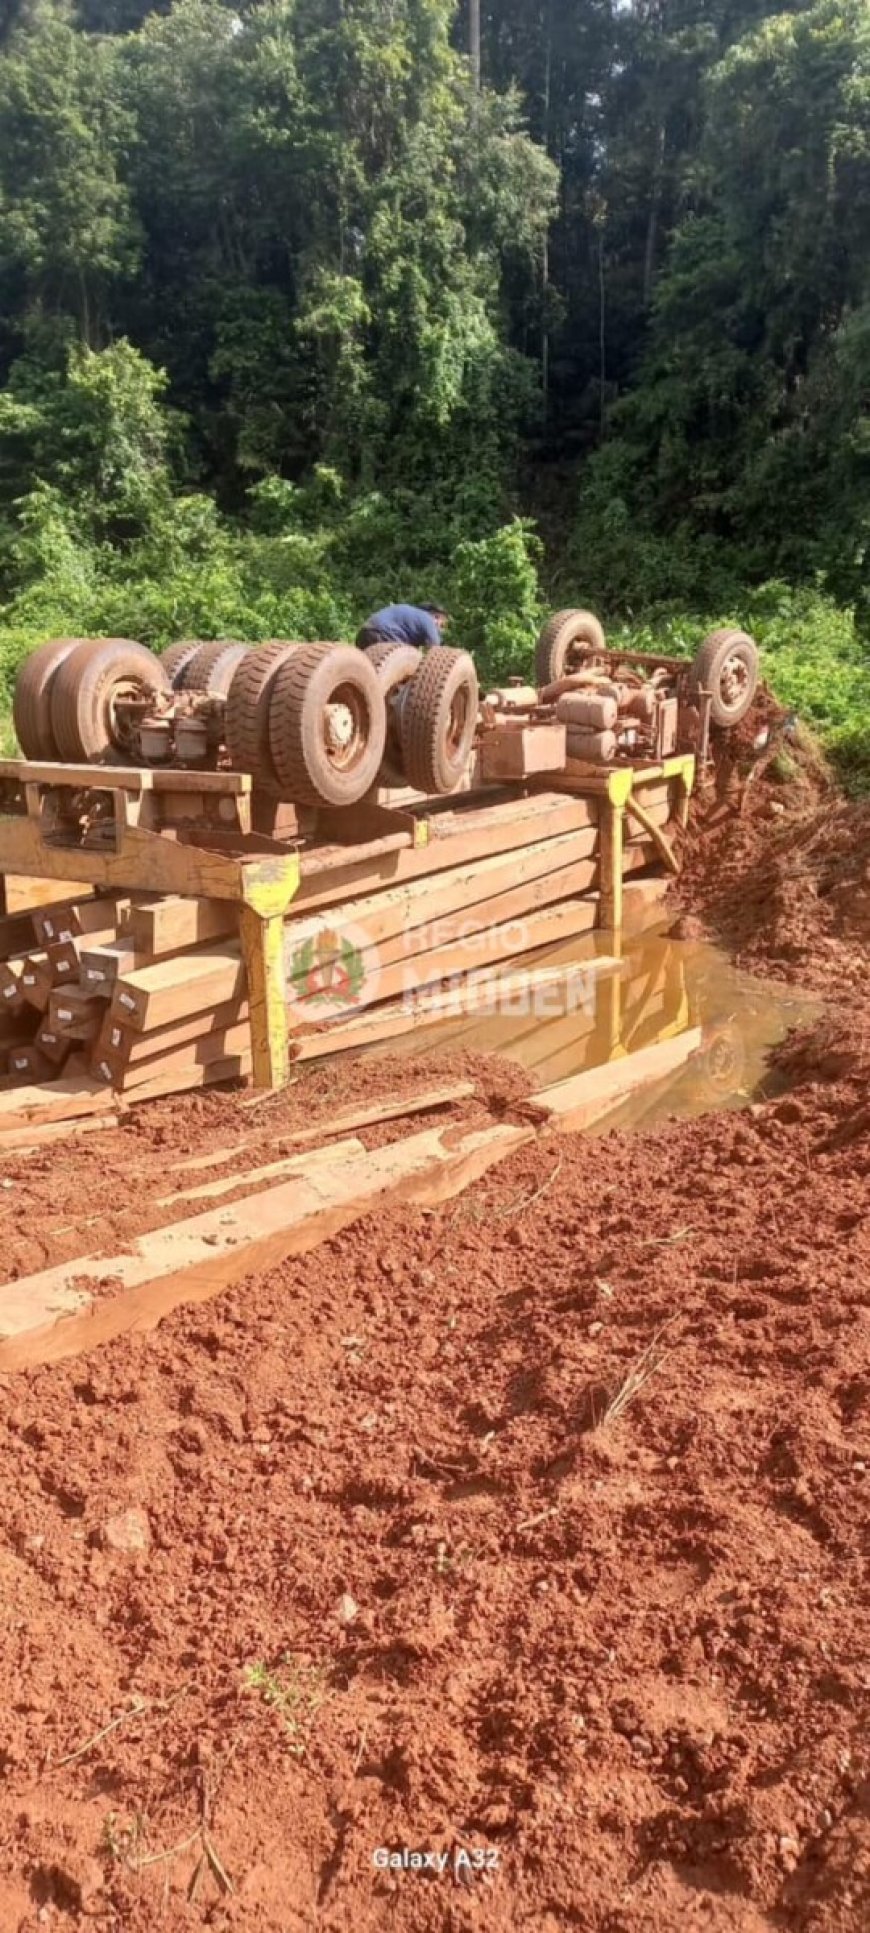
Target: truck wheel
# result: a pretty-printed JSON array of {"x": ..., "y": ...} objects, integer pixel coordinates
[
  {"x": 210, "y": 670},
  {"x": 727, "y": 666},
  {"x": 31, "y": 705},
  {"x": 86, "y": 692},
  {"x": 247, "y": 716},
  {"x": 396, "y": 664},
  {"x": 438, "y": 720},
  {"x": 176, "y": 657},
  {"x": 327, "y": 725},
  {"x": 567, "y": 641}
]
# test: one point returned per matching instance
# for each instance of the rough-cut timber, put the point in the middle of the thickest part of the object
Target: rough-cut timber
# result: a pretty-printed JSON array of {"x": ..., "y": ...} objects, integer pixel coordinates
[{"x": 190, "y": 1261}]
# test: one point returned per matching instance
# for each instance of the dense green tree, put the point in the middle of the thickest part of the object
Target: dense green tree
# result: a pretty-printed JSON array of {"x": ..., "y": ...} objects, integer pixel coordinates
[
  {"x": 748, "y": 426},
  {"x": 66, "y": 227},
  {"x": 288, "y": 253}
]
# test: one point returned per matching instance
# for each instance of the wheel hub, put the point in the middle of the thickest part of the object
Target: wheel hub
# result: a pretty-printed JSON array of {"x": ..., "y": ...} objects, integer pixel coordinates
[
  {"x": 734, "y": 680},
  {"x": 339, "y": 727}
]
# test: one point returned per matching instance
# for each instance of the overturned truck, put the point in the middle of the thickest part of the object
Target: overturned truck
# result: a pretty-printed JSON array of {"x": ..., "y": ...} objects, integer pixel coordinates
[{"x": 234, "y": 856}]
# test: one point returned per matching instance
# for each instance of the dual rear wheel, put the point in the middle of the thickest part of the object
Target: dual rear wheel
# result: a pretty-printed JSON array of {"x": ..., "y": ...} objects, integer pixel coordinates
[{"x": 69, "y": 698}]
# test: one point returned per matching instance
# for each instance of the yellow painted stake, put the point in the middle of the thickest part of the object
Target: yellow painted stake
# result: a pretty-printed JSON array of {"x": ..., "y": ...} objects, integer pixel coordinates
[
  {"x": 612, "y": 852},
  {"x": 269, "y": 890},
  {"x": 263, "y": 948}
]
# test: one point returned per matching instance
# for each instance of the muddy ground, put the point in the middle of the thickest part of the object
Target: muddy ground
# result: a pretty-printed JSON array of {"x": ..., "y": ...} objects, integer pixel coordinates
[{"x": 531, "y": 1532}]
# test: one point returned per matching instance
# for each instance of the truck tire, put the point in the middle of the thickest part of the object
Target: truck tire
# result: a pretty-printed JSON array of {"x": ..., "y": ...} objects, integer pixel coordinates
[
  {"x": 568, "y": 639},
  {"x": 246, "y": 726},
  {"x": 31, "y": 704},
  {"x": 85, "y": 692},
  {"x": 327, "y": 725},
  {"x": 210, "y": 670},
  {"x": 396, "y": 664},
  {"x": 438, "y": 720},
  {"x": 727, "y": 666},
  {"x": 176, "y": 657}
]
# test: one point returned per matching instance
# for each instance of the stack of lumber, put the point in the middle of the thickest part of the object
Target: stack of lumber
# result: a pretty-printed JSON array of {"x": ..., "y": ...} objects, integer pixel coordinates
[{"x": 147, "y": 995}]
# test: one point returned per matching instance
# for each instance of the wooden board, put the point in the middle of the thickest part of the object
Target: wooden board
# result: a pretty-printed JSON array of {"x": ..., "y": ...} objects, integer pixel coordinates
[
  {"x": 62, "y": 1100},
  {"x": 168, "y": 925},
  {"x": 586, "y": 1098},
  {"x": 397, "y": 910},
  {"x": 127, "y": 1047},
  {"x": 155, "y": 996},
  {"x": 251, "y": 1178},
  {"x": 479, "y": 950},
  {"x": 191, "y": 1261},
  {"x": 23, "y": 892},
  {"x": 456, "y": 838},
  {"x": 397, "y": 1018}
]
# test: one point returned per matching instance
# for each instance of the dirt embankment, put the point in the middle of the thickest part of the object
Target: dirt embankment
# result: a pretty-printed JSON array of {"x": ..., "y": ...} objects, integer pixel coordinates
[{"x": 778, "y": 867}]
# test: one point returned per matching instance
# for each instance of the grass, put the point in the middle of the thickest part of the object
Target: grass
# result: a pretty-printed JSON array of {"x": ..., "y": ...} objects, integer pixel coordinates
[{"x": 293, "y": 1688}]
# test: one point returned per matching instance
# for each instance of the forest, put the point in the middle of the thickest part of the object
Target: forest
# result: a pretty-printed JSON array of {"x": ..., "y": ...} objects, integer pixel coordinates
[{"x": 310, "y": 304}]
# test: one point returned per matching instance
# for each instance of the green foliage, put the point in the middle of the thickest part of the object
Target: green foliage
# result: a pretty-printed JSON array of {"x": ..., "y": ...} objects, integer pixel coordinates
[
  {"x": 813, "y": 656},
  {"x": 496, "y": 602}
]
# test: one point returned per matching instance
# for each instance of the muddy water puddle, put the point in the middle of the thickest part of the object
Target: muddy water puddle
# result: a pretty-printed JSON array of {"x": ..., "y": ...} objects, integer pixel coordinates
[{"x": 596, "y": 1009}]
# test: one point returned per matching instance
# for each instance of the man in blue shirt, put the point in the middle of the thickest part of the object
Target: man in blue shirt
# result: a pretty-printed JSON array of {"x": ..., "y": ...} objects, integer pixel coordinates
[{"x": 419, "y": 624}]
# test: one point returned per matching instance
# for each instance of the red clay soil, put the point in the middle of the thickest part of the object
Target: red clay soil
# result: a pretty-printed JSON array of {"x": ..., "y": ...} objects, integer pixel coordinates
[
  {"x": 529, "y": 1533},
  {"x": 779, "y": 869},
  {"x": 530, "y": 1529}
]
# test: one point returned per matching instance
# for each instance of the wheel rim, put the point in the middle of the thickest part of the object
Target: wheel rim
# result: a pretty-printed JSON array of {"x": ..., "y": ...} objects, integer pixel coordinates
[
  {"x": 119, "y": 730},
  {"x": 734, "y": 681},
  {"x": 457, "y": 723},
  {"x": 345, "y": 728}
]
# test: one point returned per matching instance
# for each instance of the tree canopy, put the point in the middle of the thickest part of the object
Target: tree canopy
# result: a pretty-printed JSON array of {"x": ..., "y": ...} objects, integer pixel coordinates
[{"x": 277, "y": 267}]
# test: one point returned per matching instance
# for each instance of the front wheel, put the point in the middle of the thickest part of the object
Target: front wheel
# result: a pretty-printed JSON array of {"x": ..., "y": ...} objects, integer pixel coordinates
[
  {"x": 566, "y": 643},
  {"x": 727, "y": 666}
]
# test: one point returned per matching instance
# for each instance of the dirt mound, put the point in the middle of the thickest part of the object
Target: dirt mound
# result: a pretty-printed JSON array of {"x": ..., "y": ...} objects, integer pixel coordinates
[
  {"x": 778, "y": 864},
  {"x": 528, "y": 1532}
]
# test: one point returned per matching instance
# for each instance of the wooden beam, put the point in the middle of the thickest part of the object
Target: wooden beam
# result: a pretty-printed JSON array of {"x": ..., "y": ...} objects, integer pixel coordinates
[
  {"x": 145, "y": 861},
  {"x": 126, "y": 1048},
  {"x": 456, "y": 839},
  {"x": 168, "y": 925},
  {"x": 586, "y": 1098},
  {"x": 63, "y": 1311},
  {"x": 212, "y": 1047},
  {"x": 400, "y": 909},
  {"x": 154, "y": 996}
]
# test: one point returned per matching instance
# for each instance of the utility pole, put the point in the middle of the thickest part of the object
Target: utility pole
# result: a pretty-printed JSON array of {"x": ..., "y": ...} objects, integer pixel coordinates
[{"x": 474, "y": 41}]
